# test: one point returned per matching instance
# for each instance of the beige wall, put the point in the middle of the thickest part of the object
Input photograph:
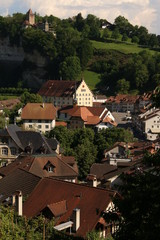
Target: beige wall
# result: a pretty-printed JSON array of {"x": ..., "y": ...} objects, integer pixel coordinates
[
  {"x": 84, "y": 95},
  {"x": 41, "y": 126}
]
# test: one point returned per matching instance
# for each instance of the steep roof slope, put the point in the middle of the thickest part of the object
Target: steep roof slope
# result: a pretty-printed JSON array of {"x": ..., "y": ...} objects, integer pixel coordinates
[
  {"x": 91, "y": 201},
  {"x": 18, "y": 179},
  {"x": 58, "y": 88}
]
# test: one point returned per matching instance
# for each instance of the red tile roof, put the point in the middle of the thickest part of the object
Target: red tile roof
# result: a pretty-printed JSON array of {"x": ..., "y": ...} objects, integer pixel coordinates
[
  {"x": 58, "y": 88},
  {"x": 9, "y": 104},
  {"x": 64, "y": 124},
  {"x": 122, "y": 98},
  {"x": 58, "y": 208},
  {"x": 39, "y": 111},
  {"x": 36, "y": 165},
  {"x": 91, "y": 202}
]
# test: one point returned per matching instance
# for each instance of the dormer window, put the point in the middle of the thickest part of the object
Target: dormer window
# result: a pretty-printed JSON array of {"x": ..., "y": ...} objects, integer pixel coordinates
[{"x": 49, "y": 167}]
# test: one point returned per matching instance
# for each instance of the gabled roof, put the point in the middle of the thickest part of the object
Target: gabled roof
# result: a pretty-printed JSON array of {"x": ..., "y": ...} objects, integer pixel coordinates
[
  {"x": 100, "y": 169},
  {"x": 58, "y": 88},
  {"x": 36, "y": 165},
  {"x": 32, "y": 138},
  {"x": 90, "y": 115},
  {"x": 58, "y": 208},
  {"x": 39, "y": 111},
  {"x": 18, "y": 179},
  {"x": 91, "y": 202}
]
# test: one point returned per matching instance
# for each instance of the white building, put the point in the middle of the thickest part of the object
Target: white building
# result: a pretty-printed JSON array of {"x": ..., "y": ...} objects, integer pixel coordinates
[
  {"x": 62, "y": 93},
  {"x": 39, "y": 116}
]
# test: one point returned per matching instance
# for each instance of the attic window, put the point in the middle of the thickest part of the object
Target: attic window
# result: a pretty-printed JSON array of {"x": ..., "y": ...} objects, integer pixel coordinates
[{"x": 49, "y": 167}]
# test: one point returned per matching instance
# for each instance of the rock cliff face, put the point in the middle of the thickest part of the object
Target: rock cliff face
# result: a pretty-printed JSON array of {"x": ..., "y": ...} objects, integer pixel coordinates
[{"x": 13, "y": 61}]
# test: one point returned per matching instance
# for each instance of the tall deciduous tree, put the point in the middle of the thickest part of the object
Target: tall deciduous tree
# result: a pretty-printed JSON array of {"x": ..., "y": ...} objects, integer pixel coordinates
[{"x": 70, "y": 68}]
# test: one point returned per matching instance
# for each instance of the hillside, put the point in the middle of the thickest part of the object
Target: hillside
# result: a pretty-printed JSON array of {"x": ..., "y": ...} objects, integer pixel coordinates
[{"x": 112, "y": 58}]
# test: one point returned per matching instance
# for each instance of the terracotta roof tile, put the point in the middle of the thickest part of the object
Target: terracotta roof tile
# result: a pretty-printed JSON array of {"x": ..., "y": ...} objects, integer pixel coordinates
[
  {"x": 58, "y": 209},
  {"x": 91, "y": 201},
  {"x": 64, "y": 124},
  {"x": 42, "y": 111},
  {"x": 58, "y": 88}
]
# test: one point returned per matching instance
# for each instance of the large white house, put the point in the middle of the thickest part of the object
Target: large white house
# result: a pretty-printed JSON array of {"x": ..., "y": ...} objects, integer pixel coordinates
[
  {"x": 148, "y": 123},
  {"x": 39, "y": 116},
  {"x": 62, "y": 93}
]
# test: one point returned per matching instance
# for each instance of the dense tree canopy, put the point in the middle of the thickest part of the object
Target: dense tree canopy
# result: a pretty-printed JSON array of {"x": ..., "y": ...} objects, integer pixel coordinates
[
  {"x": 86, "y": 146},
  {"x": 140, "y": 203}
]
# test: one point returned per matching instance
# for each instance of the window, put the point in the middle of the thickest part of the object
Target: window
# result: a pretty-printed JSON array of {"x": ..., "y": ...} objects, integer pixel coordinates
[
  {"x": 39, "y": 126},
  {"x": 13, "y": 150},
  {"x": 30, "y": 126},
  {"x": 86, "y": 98},
  {"x": 47, "y": 126},
  {"x": 30, "y": 121},
  {"x": 50, "y": 169},
  {"x": 39, "y": 121},
  {"x": 46, "y": 121},
  {"x": 83, "y": 90},
  {"x": 4, "y": 151}
]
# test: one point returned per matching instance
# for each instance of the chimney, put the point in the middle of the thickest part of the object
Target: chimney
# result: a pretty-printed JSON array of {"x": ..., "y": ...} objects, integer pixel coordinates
[
  {"x": 17, "y": 202},
  {"x": 76, "y": 219}
]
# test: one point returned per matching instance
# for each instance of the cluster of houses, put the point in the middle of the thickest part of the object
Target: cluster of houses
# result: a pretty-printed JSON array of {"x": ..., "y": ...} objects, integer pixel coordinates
[{"x": 36, "y": 178}]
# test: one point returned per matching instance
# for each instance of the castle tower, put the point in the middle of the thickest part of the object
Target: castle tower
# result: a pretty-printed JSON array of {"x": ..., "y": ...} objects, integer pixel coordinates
[{"x": 30, "y": 17}]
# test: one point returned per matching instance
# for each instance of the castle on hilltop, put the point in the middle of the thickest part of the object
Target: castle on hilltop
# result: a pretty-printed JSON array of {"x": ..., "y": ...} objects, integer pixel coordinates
[{"x": 31, "y": 22}]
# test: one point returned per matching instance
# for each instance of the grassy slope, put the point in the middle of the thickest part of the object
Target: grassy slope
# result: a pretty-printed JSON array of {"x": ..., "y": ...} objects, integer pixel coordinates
[
  {"x": 92, "y": 78},
  {"x": 121, "y": 47}
]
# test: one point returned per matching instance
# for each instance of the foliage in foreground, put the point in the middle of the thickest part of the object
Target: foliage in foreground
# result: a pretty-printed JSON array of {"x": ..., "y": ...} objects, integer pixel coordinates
[
  {"x": 140, "y": 204},
  {"x": 88, "y": 146}
]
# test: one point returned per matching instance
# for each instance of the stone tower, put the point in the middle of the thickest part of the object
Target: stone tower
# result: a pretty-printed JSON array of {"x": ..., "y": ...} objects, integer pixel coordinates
[{"x": 30, "y": 17}]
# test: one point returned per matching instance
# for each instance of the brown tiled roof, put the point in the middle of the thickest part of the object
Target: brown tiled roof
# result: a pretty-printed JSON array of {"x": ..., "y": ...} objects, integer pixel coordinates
[
  {"x": 58, "y": 208},
  {"x": 91, "y": 201},
  {"x": 64, "y": 124},
  {"x": 17, "y": 179},
  {"x": 9, "y": 104},
  {"x": 36, "y": 165},
  {"x": 93, "y": 120},
  {"x": 122, "y": 98},
  {"x": 81, "y": 112},
  {"x": 42, "y": 111},
  {"x": 58, "y": 88},
  {"x": 100, "y": 169},
  {"x": 109, "y": 120}
]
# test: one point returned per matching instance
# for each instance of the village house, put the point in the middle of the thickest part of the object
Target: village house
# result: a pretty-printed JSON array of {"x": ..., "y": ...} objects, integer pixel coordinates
[
  {"x": 14, "y": 141},
  {"x": 62, "y": 93},
  {"x": 44, "y": 165},
  {"x": 131, "y": 103},
  {"x": 122, "y": 153},
  {"x": 95, "y": 117},
  {"x": 8, "y": 104},
  {"x": 39, "y": 116},
  {"x": 148, "y": 123},
  {"x": 76, "y": 208}
]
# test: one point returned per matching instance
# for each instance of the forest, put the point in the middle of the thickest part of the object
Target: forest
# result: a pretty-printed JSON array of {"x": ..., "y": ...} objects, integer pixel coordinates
[{"x": 69, "y": 51}]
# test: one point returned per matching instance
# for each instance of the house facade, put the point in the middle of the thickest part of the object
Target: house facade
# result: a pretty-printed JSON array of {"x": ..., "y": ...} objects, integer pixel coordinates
[
  {"x": 14, "y": 141},
  {"x": 148, "y": 123},
  {"x": 39, "y": 116},
  {"x": 124, "y": 102},
  {"x": 80, "y": 116},
  {"x": 62, "y": 93}
]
